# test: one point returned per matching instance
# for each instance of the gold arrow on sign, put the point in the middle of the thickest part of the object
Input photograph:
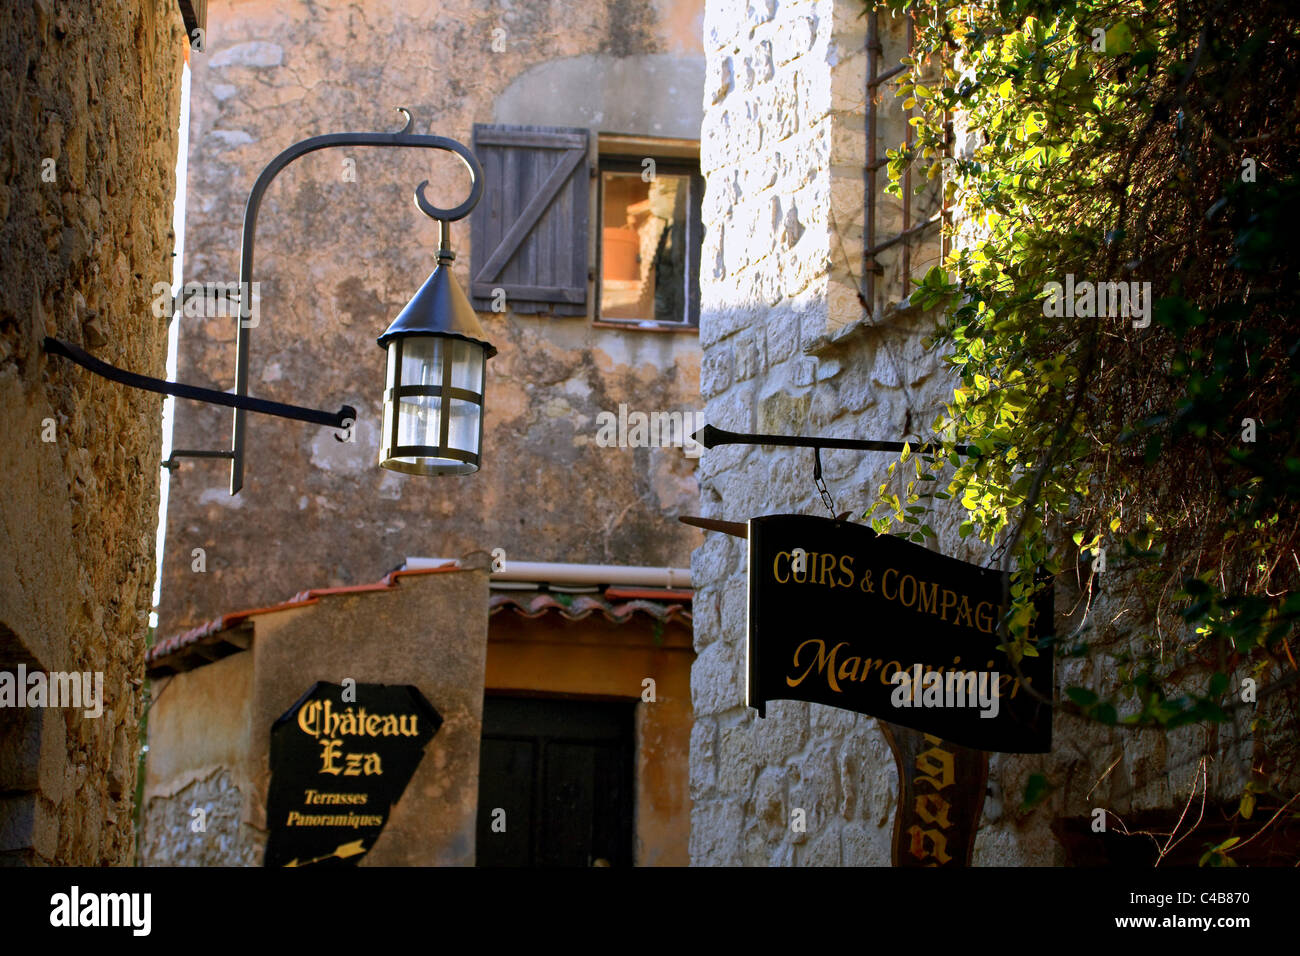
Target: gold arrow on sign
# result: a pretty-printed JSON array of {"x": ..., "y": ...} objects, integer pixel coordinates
[{"x": 343, "y": 851}]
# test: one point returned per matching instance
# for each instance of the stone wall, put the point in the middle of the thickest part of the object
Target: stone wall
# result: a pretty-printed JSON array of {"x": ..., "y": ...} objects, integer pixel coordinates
[
  {"x": 172, "y": 833},
  {"x": 789, "y": 348},
  {"x": 339, "y": 255},
  {"x": 92, "y": 92}
]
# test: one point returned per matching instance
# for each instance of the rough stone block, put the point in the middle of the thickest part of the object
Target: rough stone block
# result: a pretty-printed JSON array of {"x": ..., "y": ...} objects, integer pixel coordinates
[
  {"x": 703, "y": 759},
  {"x": 866, "y": 845},
  {"x": 782, "y": 733},
  {"x": 715, "y": 679},
  {"x": 737, "y": 763},
  {"x": 760, "y": 11},
  {"x": 716, "y": 828},
  {"x": 715, "y": 371},
  {"x": 822, "y": 849}
]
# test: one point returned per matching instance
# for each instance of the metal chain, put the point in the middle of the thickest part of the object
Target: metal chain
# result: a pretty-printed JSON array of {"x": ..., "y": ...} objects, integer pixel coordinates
[{"x": 827, "y": 500}]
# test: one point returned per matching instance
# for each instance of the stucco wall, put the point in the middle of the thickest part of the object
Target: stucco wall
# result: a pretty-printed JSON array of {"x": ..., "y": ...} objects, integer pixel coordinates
[
  {"x": 337, "y": 259},
  {"x": 91, "y": 93},
  {"x": 210, "y": 730},
  {"x": 789, "y": 349},
  {"x": 199, "y": 727}
]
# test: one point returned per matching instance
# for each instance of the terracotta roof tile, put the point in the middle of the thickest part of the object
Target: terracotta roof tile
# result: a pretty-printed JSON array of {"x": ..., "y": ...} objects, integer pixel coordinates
[
  {"x": 199, "y": 635},
  {"x": 533, "y": 604}
]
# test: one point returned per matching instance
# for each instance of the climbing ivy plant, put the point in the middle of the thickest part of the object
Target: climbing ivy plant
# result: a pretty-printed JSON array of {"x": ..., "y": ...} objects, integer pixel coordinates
[{"x": 1151, "y": 453}]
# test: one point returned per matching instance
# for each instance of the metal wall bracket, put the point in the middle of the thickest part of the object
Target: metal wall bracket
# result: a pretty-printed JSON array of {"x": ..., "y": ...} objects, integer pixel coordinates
[
  {"x": 710, "y": 437},
  {"x": 212, "y": 396},
  {"x": 240, "y": 401}
]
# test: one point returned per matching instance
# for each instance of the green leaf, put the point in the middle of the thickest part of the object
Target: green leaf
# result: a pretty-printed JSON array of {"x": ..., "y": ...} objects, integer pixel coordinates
[
  {"x": 1036, "y": 789},
  {"x": 1081, "y": 696},
  {"x": 1247, "y": 806}
]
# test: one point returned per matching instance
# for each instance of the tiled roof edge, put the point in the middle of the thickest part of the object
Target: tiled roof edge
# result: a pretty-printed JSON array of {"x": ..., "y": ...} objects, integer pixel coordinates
[{"x": 177, "y": 642}]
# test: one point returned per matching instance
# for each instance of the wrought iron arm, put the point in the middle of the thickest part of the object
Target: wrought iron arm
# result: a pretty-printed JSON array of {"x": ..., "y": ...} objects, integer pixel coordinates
[
  {"x": 212, "y": 396},
  {"x": 709, "y": 437},
  {"x": 402, "y": 138}
]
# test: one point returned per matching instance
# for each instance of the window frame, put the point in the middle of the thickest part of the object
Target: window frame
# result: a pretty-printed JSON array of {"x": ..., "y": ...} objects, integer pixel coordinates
[{"x": 617, "y": 161}]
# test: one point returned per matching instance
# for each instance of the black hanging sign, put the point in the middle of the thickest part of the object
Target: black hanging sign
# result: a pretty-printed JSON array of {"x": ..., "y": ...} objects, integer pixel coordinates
[
  {"x": 875, "y": 624},
  {"x": 340, "y": 758}
]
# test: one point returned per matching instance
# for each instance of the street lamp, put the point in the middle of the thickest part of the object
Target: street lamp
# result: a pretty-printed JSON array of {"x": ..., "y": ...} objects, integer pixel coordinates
[{"x": 433, "y": 403}]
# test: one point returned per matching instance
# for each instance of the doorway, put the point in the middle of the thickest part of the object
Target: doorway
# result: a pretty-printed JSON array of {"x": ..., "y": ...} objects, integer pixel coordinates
[{"x": 555, "y": 782}]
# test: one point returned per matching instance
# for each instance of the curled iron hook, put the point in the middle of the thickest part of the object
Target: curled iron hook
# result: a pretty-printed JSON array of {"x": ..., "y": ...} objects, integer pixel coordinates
[
  {"x": 410, "y": 121},
  {"x": 456, "y": 212}
]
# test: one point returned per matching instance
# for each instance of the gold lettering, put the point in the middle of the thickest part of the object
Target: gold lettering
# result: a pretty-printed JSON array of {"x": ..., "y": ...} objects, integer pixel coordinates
[
  {"x": 776, "y": 564},
  {"x": 372, "y": 725},
  {"x": 964, "y": 610},
  {"x": 850, "y": 673},
  {"x": 984, "y": 619},
  {"x": 932, "y": 808},
  {"x": 936, "y": 766},
  {"x": 390, "y": 725},
  {"x": 907, "y": 601},
  {"x": 823, "y": 662},
  {"x": 939, "y": 844},
  {"x": 407, "y": 731},
  {"x": 928, "y": 602},
  {"x": 828, "y": 565},
  {"x": 372, "y": 765},
  {"x": 354, "y": 765},
  {"x": 885, "y": 669},
  {"x": 884, "y": 584},
  {"x": 949, "y": 600},
  {"x": 308, "y": 714},
  {"x": 329, "y": 720},
  {"x": 846, "y": 570},
  {"x": 329, "y": 751}
]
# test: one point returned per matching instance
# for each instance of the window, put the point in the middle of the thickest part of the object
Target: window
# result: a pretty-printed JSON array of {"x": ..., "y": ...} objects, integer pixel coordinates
[
  {"x": 649, "y": 241},
  {"x": 537, "y": 246}
]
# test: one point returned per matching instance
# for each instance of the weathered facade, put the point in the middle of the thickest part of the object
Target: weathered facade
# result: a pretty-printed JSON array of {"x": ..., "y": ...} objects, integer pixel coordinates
[
  {"x": 219, "y": 687},
  {"x": 341, "y": 248},
  {"x": 208, "y": 776},
  {"x": 92, "y": 96},
  {"x": 606, "y": 89},
  {"x": 789, "y": 347}
]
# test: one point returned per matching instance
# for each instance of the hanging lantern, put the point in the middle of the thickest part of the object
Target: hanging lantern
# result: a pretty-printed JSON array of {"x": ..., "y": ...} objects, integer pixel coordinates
[{"x": 433, "y": 398}]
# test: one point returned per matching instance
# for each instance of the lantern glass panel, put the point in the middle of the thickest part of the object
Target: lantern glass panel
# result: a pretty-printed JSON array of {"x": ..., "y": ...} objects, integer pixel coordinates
[
  {"x": 419, "y": 417},
  {"x": 419, "y": 420},
  {"x": 463, "y": 430},
  {"x": 466, "y": 365},
  {"x": 421, "y": 360}
]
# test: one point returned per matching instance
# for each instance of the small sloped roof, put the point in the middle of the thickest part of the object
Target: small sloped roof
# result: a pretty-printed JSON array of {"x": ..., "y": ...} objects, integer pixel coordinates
[{"x": 231, "y": 633}]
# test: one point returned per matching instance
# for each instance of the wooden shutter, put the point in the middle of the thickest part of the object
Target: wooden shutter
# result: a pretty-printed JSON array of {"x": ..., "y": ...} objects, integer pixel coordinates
[{"x": 529, "y": 232}]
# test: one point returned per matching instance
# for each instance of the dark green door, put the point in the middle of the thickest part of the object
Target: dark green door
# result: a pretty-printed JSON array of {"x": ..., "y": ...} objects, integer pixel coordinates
[{"x": 555, "y": 783}]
